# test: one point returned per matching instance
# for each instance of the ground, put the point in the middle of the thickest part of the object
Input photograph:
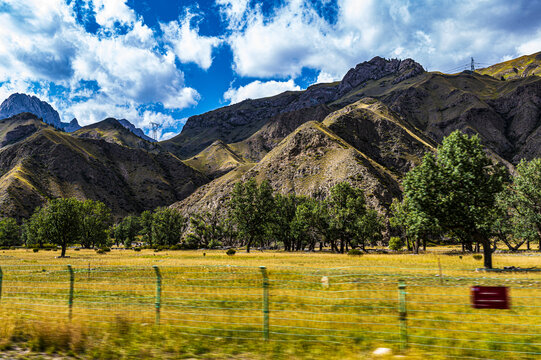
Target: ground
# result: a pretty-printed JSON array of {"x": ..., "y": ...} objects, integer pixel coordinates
[{"x": 321, "y": 305}]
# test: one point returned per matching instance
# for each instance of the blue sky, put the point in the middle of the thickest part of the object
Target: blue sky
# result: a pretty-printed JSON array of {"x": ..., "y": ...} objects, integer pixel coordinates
[{"x": 163, "y": 61}]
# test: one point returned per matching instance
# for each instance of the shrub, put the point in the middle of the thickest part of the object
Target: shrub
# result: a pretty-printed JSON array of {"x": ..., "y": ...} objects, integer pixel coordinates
[
  {"x": 396, "y": 243},
  {"x": 231, "y": 252},
  {"x": 355, "y": 252},
  {"x": 100, "y": 251},
  {"x": 35, "y": 249},
  {"x": 175, "y": 247},
  {"x": 213, "y": 244},
  {"x": 478, "y": 257},
  {"x": 136, "y": 249}
]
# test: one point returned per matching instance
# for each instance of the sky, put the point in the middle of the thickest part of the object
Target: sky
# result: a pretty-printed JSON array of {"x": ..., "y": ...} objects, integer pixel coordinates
[{"x": 165, "y": 60}]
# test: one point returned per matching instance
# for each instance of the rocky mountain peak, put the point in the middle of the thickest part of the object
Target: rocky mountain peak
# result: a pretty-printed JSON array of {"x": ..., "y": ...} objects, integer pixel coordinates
[
  {"x": 137, "y": 131},
  {"x": 378, "y": 68},
  {"x": 72, "y": 126},
  {"x": 18, "y": 103}
]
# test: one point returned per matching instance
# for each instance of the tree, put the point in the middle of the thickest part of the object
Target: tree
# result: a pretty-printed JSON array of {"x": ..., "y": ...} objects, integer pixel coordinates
[
  {"x": 167, "y": 227},
  {"x": 347, "y": 208},
  {"x": 251, "y": 209},
  {"x": 9, "y": 232},
  {"x": 95, "y": 222},
  {"x": 145, "y": 223},
  {"x": 207, "y": 231},
  {"x": 33, "y": 230},
  {"x": 59, "y": 222},
  {"x": 311, "y": 224},
  {"x": 522, "y": 202},
  {"x": 454, "y": 191},
  {"x": 283, "y": 218}
]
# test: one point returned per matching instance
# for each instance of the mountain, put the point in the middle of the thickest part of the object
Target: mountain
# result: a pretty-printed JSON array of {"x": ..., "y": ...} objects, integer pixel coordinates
[
  {"x": 113, "y": 131},
  {"x": 369, "y": 129},
  {"x": 523, "y": 66},
  {"x": 21, "y": 103},
  {"x": 137, "y": 131},
  {"x": 72, "y": 126},
  {"x": 40, "y": 162},
  {"x": 238, "y": 122}
]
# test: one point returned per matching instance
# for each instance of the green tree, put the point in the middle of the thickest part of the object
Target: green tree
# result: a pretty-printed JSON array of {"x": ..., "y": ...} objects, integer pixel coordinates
[
  {"x": 283, "y": 218},
  {"x": 167, "y": 227},
  {"x": 9, "y": 232},
  {"x": 311, "y": 224},
  {"x": 59, "y": 222},
  {"x": 347, "y": 210},
  {"x": 251, "y": 209},
  {"x": 207, "y": 231},
  {"x": 522, "y": 201},
  {"x": 145, "y": 223},
  {"x": 95, "y": 222},
  {"x": 454, "y": 191},
  {"x": 33, "y": 230},
  {"x": 131, "y": 228}
]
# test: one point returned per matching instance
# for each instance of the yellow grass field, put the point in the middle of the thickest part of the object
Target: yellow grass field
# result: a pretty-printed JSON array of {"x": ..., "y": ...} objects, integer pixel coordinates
[{"x": 212, "y": 306}]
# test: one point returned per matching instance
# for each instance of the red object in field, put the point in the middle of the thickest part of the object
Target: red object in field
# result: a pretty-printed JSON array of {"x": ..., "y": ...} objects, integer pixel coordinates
[{"x": 489, "y": 297}]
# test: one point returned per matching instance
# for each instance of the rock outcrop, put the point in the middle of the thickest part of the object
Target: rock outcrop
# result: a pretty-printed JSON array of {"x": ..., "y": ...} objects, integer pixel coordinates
[{"x": 22, "y": 103}]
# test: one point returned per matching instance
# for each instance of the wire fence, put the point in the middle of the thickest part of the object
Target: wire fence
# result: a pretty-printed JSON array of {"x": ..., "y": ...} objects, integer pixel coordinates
[{"x": 402, "y": 308}]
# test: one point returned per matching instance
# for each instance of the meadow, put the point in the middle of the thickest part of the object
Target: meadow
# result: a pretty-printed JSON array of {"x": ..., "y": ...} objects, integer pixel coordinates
[{"x": 213, "y": 306}]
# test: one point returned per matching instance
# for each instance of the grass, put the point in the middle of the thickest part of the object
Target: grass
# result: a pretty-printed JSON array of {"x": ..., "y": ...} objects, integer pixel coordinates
[{"x": 211, "y": 305}]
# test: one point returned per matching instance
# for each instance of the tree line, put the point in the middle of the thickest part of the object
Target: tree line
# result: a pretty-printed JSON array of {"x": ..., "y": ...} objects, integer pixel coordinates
[{"x": 458, "y": 193}]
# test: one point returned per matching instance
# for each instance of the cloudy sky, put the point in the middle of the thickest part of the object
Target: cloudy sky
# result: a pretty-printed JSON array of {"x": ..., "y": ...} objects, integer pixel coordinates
[{"x": 164, "y": 60}]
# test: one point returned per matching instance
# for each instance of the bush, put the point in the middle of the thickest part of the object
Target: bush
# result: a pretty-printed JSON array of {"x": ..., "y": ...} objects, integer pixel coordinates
[
  {"x": 175, "y": 247},
  {"x": 100, "y": 251},
  {"x": 136, "y": 249},
  {"x": 396, "y": 243},
  {"x": 478, "y": 257},
  {"x": 35, "y": 249},
  {"x": 213, "y": 244},
  {"x": 355, "y": 252},
  {"x": 231, "y": 252}
]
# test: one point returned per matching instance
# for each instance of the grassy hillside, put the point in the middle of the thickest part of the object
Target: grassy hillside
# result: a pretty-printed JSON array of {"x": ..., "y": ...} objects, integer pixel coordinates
[
  {"x": 527, "y": 65},
  {"x": 52, "y": 164},
  {"x": 112, "y": 131},
  {"x": 215, "y": 160}
]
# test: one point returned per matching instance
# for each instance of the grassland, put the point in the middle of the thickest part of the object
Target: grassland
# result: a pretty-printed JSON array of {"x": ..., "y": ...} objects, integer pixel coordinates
[{"x": 211, "y": 305}]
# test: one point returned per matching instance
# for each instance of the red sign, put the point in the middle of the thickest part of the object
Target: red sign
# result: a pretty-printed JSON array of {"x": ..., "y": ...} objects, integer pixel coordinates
[{"x": 489, "y": 297}]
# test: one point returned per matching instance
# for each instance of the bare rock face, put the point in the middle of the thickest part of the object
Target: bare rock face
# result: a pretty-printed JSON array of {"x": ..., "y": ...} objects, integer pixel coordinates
[
  {"x": 20, "y": 103},
  {"x": 72, "y": 126},
  {"x": 378, "y": 68},
  {"x": 137, "y": 131}
]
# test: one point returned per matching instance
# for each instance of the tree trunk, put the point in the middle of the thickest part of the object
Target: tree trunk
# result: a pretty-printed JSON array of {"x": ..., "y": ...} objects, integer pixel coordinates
[
  {"x": 416, "y": 245},
  {"x": 248, "y": 245},
  {"x": 63, "y": 253},
  {"x": 408, "y": 243},
  {"x": 487, "y": 250},
  {"x": 424, "y": 244}
]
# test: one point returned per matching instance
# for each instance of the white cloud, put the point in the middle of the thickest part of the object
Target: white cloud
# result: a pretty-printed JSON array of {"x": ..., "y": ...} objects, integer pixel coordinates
[
  {"x": 439, "y": 35},
  {"x": 42, "y": 43},
  {"x": 234, "y": 11},
  {"x": 324, "y": 77},
  {"x": 187, "y": 44},
  {"x": 258, "y": 89},
  {"x": 167, "y": 135}
]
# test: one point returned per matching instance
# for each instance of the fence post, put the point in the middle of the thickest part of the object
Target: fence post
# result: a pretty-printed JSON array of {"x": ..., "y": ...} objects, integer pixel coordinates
[
  {"x": 265, "y": 302},
  {"x": 1, "y": 280},
  {"x": 402, "y": 314},
  {"x": 158, "y": 292},
  {"x": 70, "y": 299}
]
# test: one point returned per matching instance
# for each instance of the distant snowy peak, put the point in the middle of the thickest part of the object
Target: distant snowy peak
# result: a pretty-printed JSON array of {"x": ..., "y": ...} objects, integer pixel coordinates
[
  {"x": 20, "y": 103},
  {"x": 137, "y": 131}
]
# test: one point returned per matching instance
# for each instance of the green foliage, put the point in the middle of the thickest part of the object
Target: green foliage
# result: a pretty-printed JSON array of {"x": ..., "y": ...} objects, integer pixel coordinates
[
  {"x": 478, "y": 257},
  {"x": 9, "y": 232},
  {"x": 355, "y": 252},
  {"x": 231, "y": 252},
  {"x": 520, "y": 204},
  {"x": 145, "y": 223},
  {"x": 251, "y": 209},
  {"x": 396, "y": 243},
  {"x": 59, "y": 222},
  {"x": 95, "y": 222},
  {"x": 208, "y": 230},
  {"x": 167, "y": 227},
  {"x": 453, "y": 192}
]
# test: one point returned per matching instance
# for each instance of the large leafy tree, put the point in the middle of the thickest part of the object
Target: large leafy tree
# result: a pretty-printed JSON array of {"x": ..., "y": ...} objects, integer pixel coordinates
[
  {"x": 95, "y": 222},
  {"x": 283, "y": 219},
  {"x": 347, "y": 209},
  {"x": 59, "y": 222},
  {"x": 167, "y": 227},
  {"x": 9, "y": 232},
  {"x": 251, "y": 208},
  {"x": 454, "y": 191},
  {"x": 522, "y": 201}
]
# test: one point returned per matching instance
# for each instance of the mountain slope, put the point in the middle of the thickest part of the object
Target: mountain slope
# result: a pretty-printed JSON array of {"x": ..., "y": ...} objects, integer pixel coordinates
[
  {"x": 523, "y": 66},
  {"x": 237, "y": 123},
  {"x": 22, "y": 103},
  {"x": 50, "y": 164},
  {"x": 215, "y": 160},
  {"x": 19, "y": 127},
  {"x": 112, "y": 131},
  {"x": 314, "y": 157}
]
